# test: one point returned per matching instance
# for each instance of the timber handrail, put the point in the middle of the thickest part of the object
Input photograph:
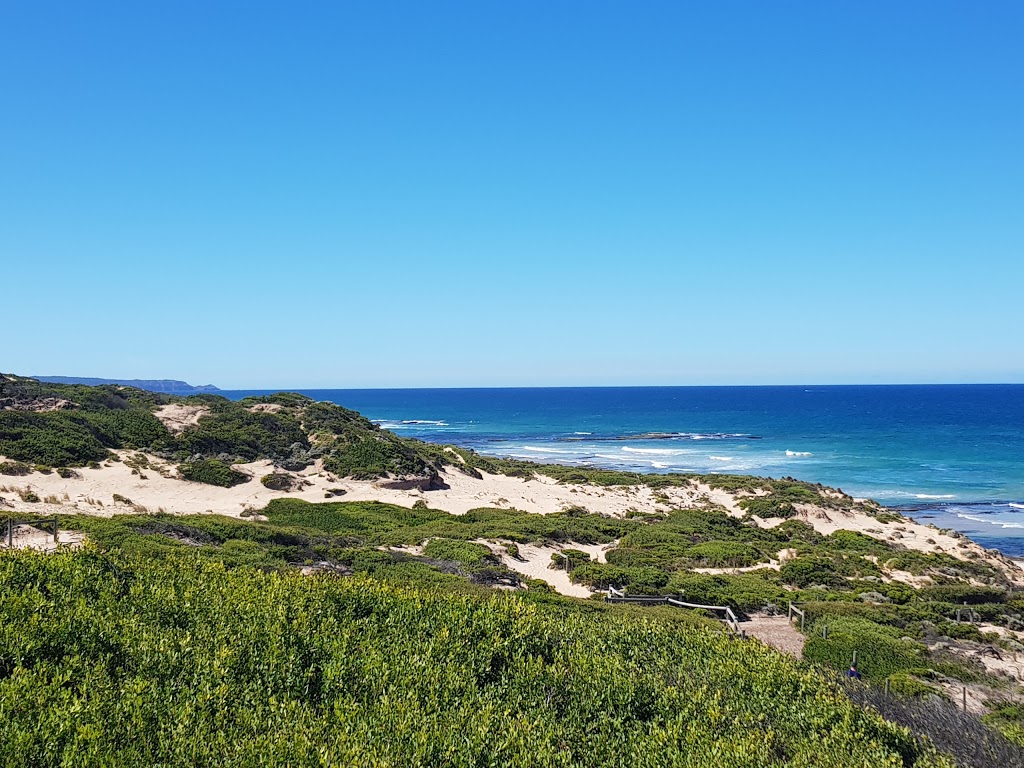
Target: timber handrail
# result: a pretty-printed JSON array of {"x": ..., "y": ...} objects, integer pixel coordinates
[
  {"x": 12, "y": 524},
  {"x": 794, "y": 611},
  {"x": 729, "y": 617}
]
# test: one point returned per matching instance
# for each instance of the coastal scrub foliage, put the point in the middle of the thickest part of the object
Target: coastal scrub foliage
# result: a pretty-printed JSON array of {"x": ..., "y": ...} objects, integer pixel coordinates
[
  {"x": 211, "y": 472},
  {"x": 120, "y": 661}
]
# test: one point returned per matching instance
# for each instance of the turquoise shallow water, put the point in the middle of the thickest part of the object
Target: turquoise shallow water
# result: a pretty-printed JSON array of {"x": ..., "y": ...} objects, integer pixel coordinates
[{"x": 953, "y": 453}]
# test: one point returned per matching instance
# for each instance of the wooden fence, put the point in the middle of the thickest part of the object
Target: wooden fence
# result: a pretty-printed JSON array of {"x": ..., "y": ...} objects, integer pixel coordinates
[
  {"x": 724, "y": 612},
  {"x": 794, "y": 611},
  {"x": 12, "y": 524}
]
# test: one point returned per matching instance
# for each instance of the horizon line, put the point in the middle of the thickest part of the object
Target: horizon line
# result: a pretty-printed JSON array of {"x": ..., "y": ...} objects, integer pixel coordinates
[{"x": 627, "y": 386}]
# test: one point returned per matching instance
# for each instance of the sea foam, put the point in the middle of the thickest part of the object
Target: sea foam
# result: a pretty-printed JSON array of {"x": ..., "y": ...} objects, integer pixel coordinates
[
  {"x": 652, "y": 451},
  {"x": 978, "y": 519}
]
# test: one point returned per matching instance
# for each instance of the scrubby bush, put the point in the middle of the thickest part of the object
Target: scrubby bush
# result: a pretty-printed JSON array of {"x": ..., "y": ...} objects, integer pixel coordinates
[
  {"x": 902, "y": 684},
  {"x": 212, "y": 472},
  {"x": 278, "y": 481},
  {"x": 602, "y": 576},
  {"x": 465, "y": 552},
  {"x": 805, "y": 571},
  {"x": 722, "y": 554},
  {"x": 767, "y": 506},
  {"x": 14, "y": 468},
  {"x": 880, "y": 651},
  {"x": 962, "y": 593},
  {"x": 744, "y": 592}
]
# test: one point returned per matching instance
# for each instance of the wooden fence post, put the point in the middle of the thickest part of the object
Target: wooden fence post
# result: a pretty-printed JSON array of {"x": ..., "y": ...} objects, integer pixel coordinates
[{"x": 965, "y": 698}]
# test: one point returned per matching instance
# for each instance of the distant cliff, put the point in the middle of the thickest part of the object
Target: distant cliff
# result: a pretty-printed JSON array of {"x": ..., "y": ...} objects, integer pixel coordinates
[{"x": 166, "y": 386}]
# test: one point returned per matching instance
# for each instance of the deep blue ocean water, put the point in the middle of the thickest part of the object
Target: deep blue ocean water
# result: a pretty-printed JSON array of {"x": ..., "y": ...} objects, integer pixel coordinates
[{"x": 948, "y": 454}]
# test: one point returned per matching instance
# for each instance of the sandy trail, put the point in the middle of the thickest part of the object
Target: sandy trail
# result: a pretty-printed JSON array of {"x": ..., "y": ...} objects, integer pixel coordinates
[
  {"x": 30, "y": 537},
  {"x": 776, "y": 631}
]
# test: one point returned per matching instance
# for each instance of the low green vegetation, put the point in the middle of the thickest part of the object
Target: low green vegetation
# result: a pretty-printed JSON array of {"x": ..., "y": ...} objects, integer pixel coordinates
[
  {"x": 211, "y": 472},
  {"x": 393, "y": 552},
  {"x": 121, "y": 661}
]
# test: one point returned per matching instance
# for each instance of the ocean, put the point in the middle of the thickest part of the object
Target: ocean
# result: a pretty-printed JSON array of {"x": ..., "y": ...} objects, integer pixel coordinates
[{"x": 952, "y": 455}]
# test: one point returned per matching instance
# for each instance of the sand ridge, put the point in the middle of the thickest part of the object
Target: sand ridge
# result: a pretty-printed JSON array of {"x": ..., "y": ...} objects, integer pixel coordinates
[{"x": 152, "y": 485}]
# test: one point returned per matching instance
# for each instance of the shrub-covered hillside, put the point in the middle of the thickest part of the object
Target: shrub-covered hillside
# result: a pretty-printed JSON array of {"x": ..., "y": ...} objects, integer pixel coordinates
[
  {"x": 62, "y": 425},
  {"x": 117, "y": 661}
]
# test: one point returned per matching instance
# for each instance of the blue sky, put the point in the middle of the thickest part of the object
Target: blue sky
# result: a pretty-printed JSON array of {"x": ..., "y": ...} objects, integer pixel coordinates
[{"x": 354, "y": 194}]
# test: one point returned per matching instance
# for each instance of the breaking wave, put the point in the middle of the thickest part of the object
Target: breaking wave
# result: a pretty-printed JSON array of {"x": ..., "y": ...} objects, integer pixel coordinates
[
  {"x": 978, "y": 519},
  {"x": 653, "y": 451}
]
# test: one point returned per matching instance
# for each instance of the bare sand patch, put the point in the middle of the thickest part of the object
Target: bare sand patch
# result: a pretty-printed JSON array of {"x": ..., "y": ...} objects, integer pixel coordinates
[
  {"x": 178, "y": 417},
  {"x": 777, "y": 632},
  {"x": 30, "y": 537}
]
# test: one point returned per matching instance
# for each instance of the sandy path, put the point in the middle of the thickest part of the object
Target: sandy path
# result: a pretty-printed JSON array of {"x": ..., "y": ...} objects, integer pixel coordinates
[
  {"x": 776, "y": 631},
  {"x": 30, "y": 537}
]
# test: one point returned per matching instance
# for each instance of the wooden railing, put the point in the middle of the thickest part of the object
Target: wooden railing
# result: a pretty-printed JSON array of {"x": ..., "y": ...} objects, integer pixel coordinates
[
  {"x": 727, "y": 615},
  {"x": 12, "y": 524},
  {"x": 794, "y": 611}
]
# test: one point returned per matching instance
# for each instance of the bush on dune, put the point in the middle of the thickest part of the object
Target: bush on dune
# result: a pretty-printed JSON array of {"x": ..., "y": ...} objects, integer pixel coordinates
[{"x": 212, "y": 472}]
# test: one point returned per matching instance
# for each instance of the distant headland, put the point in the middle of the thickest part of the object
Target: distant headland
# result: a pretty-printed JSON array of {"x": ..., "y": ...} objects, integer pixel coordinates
[{"x": 165, "y": 386}]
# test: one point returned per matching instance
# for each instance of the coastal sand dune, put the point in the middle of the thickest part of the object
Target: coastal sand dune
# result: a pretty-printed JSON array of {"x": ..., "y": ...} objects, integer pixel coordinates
[{"x": 155, "y": 487}]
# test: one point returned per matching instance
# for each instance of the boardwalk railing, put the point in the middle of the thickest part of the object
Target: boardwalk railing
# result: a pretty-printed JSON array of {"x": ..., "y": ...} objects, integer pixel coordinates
[
  {"x": 726, "y": 613},
  {"x": 12, "y": 524},
  {"x": 968, "y": 612},
  {"x": 794, "y": 611}
]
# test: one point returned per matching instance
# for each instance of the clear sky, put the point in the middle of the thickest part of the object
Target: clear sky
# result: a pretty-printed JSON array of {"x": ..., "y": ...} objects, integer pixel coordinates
[{"x": 347, "y": 194}]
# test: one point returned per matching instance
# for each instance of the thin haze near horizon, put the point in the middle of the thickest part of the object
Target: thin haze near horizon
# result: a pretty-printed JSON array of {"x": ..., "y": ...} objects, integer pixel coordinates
[{"x": 399, "y": 194}]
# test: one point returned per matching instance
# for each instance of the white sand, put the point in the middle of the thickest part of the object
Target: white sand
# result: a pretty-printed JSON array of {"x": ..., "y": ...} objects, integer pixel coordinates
[
  {"x": 30, "y": 537},
  {"x": 160, "y": 489},
  {"x": 177, "y": 416}
]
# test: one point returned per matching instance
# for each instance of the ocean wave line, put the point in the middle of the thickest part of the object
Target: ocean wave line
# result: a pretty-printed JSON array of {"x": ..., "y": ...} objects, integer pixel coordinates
[
  {"x": 653, "y": 451},
  {"x": 977, "y": 519}
]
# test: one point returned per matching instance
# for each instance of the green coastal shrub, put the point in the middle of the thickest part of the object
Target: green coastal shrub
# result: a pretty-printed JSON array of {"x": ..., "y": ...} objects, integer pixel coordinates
[
  {"x": 278, "y": 481},
  {"x": 636, "y": 580},
  {"x": 767, "y": 506},
  {"x": 14, "y": 468},
  {"x": 962, "y": 593},
  {"x": 908, "y": 687},
  {"x": 212, "y": 472},
  {"x": 880, "y": 651},
  {"x": 465, "y": 552},
  {"x": 723, "y": 554},
  {"x": 180, "y": 661},
  {"x": 805, "y": 571},
  {"x": 743, "y": 591}
]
